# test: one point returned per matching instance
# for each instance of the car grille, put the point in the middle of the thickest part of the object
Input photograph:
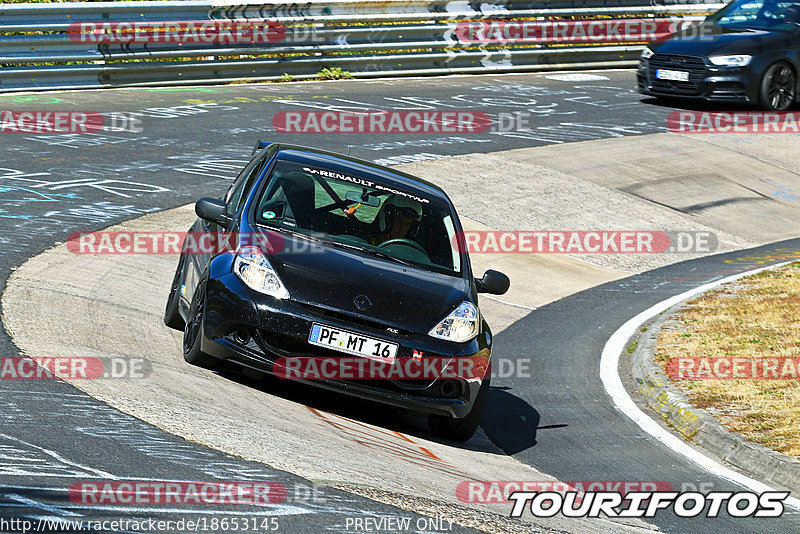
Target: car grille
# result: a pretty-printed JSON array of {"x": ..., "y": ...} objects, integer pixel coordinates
[
  {"x": 273, "y": 346},
  {"x": 693, "y": 65},
  {"x": 352, "y": 319},
  {"x": 728, "y": 90}
]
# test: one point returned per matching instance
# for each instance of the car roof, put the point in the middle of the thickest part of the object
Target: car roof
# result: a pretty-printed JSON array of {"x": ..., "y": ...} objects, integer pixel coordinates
[{"x": 344, "y": 164}]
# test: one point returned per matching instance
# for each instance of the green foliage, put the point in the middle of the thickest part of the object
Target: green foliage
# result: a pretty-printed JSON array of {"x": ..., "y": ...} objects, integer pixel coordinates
[{"x": 335, "y": 73}]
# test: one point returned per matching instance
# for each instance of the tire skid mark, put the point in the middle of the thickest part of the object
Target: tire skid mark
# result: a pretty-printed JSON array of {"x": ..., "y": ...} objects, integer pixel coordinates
[{"x": 369, "y": 436}]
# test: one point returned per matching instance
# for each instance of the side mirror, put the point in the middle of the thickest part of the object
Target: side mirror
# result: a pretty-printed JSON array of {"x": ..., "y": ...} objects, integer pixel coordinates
[
  {"x": 213, "y": 210},
  {"x": 493, "y": 282}
]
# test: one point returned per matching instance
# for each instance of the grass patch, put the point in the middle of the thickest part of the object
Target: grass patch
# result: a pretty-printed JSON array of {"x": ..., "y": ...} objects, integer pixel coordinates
[
  {"x": 334, "y": 73},
  {"x": 755, "y": 317}
]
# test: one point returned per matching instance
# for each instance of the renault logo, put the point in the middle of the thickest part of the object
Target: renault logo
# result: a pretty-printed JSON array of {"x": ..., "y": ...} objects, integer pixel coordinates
[{"x": 362, "y": 302}]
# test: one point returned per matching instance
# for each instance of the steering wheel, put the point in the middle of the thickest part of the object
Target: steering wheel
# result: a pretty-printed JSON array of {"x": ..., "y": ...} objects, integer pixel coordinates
[{"x": 404, "y": 241}]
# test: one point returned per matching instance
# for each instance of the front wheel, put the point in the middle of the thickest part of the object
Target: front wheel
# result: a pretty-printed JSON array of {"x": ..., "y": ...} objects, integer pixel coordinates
[
  {"x": 193, "y": 332},
  {"x": 778, "y": 87},
  {"x": 462, "y": 429}
]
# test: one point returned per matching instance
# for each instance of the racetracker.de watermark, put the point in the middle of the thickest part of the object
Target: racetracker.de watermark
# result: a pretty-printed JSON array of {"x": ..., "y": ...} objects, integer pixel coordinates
[
  {"x": 178, "y": 32},
  {"x": 183, "y": 242},
  {"x": 584, "y": 242},
  {"x": 382, "y": 122},
  {"x": 409, "y": 122},
  {"x": 733, "y": 368},
  {"x": 569, "y": 31},
  {"x": 156, "y": 493},
  {"x": 753, "y": 122},
  {"x": 68, "y": 122},
  {"x": 417, "y": 367},
  {"x": 629, "y": 30},
  {"x": 73, "y": 368}
]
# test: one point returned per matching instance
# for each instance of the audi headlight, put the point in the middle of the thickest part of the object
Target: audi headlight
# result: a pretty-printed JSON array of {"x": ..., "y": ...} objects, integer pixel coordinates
[
  {"x": 461, "y": 325},
  {"x": 253, "y": 268},
  {"x": 646, "y": 53},
  {"x": 731, "y": 61}
]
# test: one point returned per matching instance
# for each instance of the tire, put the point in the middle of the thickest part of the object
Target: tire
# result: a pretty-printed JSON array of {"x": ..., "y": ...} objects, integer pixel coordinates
[
  {"x": 778, "y": 87},
  {"x": 172, "y": 316},
  {"x": 193, "y": 332},
  {"x": 462, "y": 429}
]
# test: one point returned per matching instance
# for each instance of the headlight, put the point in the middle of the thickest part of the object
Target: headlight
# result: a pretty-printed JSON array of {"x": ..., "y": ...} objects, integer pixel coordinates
[
  {"x": 461, "y": 325},
  {"x": 646, "y": 53},
  {"x": 730, "y": 61},
  {"x": 252, "y": 267}
]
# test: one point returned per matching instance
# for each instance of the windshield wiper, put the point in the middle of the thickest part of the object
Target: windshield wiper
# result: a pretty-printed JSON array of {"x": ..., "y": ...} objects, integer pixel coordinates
[
  {"x": 311, "y": 237},
  {"x": 375, "y": 252},
  {"x": 329, "y": 241}
]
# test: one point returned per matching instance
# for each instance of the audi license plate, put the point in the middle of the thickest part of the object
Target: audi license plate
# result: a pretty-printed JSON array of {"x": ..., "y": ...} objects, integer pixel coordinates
[{"x": 674, "y": 75}]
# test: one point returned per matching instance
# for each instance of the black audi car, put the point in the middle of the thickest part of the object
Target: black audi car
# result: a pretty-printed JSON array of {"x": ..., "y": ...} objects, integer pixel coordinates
[
  {"x": 748, "y": 52},
  {"x": 357, "y": 261}
]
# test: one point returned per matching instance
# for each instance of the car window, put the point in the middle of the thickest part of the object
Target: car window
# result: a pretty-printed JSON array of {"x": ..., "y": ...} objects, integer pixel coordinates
[
  {"x": 759, "y": 14},
  {"x": 744, "y": 12},
  {"x": 236, "y": 194},
  {"x": 358, "y": 212}
]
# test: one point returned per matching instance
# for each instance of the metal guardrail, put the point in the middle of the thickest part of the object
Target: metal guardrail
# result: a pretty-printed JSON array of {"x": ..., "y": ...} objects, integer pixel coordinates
[{"x": 46, "y": 46}]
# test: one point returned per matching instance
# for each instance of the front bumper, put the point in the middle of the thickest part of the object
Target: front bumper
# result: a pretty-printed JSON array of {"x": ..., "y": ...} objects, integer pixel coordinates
[
  {"x": 706, "y": 81},
  {"x": 279, "y": 329}
]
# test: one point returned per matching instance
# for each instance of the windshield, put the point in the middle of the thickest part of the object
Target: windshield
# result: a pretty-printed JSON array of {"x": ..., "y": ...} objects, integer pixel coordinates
[
  {"x": 358, "y": 212},
  {"x": 760, "y": 15}
]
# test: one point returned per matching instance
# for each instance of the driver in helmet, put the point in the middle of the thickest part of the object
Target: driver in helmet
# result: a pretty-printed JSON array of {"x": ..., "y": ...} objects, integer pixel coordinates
[{"x": 399, "y": 218}]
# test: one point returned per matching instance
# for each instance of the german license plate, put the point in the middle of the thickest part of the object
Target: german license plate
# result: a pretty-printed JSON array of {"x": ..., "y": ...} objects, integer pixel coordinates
[
  {"x": 352, "y": 343},
  {"x": 675, "y": 75}
]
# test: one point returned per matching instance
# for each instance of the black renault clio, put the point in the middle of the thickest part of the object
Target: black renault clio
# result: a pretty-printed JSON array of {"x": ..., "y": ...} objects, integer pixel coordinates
[
  {"x": 748, "y": 52},
  {"x": 358, "y": 260}
]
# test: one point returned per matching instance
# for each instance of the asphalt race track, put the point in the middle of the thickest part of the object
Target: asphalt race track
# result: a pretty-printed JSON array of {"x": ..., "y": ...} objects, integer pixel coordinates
[
  {"x": 192, "y": 141},
  {"x": 48, "y": 426}
]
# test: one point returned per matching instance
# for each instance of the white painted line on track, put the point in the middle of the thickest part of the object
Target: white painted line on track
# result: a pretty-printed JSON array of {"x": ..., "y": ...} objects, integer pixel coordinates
[
  {"x": 524, "y": 307},
  {"x": 26, "y": 501},
  {"x": 60, "y": 458},
  {"x": 609, "y": 363}
]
